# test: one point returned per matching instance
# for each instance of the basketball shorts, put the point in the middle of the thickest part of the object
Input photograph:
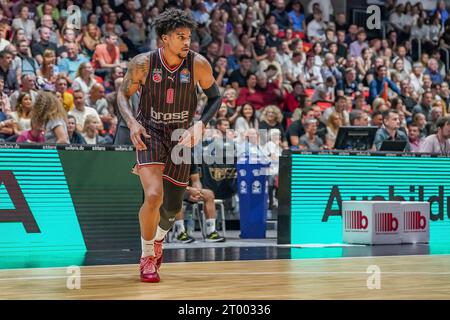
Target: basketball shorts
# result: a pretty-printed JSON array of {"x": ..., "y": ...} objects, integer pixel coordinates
[{"x": 159, "y": 153}]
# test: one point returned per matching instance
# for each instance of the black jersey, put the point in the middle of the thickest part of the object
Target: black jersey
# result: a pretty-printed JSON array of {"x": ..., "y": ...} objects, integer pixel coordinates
[{"x": 169, "y": 97}]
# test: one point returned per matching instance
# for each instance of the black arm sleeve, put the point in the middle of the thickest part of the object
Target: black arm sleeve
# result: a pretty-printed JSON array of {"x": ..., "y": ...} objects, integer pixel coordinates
[{"x": 213, "y": 104}]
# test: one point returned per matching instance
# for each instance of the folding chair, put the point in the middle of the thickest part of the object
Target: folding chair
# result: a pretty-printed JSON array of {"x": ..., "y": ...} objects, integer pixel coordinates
[{"x": 199, "y": 214}]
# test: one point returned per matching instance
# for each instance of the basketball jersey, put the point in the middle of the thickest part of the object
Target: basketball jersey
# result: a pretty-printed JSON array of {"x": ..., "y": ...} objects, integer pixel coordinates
[{"x": 169, "y": 96}]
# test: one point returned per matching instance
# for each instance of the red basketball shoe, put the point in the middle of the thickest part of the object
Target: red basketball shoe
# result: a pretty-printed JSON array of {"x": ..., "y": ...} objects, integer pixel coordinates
[
  {"x": 158, "y": 247},
  {"x": 149, "y": 271}
]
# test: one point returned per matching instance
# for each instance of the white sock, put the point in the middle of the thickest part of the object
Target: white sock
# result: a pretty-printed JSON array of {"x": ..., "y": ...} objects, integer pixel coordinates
[
  {"x": 179, "y": 227},
  {"x": 160, "y": 234},
  {"x": 148, "y": 250},
  {"x": 210, "y": 226}
]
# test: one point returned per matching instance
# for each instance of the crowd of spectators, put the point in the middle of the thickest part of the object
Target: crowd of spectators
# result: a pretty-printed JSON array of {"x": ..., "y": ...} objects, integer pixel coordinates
[{"x": 298, "y": 69}]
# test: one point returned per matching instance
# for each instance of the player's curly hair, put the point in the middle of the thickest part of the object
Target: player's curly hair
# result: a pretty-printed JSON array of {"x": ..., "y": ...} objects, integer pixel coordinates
[{"x": 172, "y": 19}]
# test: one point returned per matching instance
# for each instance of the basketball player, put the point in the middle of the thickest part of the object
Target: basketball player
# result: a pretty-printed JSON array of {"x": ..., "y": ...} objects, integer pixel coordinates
[{"x": 168, "y": 78}]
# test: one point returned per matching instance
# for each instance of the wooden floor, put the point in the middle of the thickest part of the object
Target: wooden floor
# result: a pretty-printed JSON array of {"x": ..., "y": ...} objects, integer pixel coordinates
[{"x": 406, "y": 277}]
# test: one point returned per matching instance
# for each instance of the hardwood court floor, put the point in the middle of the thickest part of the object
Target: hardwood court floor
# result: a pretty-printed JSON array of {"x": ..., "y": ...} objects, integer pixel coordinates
[{"x": 402, "y": 277}]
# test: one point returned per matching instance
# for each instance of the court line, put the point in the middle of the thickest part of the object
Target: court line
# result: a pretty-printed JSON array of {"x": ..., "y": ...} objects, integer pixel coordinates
[
  {"x": 183, "y": 274},
  {"x": 237, "y": 261}
]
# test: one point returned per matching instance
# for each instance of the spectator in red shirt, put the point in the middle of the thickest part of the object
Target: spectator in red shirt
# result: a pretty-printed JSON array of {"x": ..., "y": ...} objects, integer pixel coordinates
[
  {"x": 249, "y": 94},
  {"x": 107, "y": 56},
  {"x": 294, "y": 99},
  {"x": 270, "y": 91}
]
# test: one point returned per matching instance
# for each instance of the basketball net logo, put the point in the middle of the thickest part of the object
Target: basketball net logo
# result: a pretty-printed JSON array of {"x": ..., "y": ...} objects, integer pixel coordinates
[{"x": 74, "y": 17}]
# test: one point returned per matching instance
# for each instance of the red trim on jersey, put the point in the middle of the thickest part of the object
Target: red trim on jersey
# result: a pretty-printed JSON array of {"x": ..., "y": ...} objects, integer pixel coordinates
[
  {"x": 150, "y": 164},
  {"x": 177, "y": 183},
  {"x": 165, "y": 64}
]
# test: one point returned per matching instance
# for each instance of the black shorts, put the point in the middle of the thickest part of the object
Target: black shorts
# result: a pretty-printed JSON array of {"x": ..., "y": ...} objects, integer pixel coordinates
[{"x": 158, "y": 153}]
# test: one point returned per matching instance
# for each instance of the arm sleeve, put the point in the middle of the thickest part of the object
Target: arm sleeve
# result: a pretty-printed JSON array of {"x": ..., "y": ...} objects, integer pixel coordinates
[{"x": 213, "y": 104}]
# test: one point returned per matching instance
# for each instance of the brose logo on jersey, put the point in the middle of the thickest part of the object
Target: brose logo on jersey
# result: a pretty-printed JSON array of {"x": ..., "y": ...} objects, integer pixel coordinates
[{"x": 161, "y": 117}]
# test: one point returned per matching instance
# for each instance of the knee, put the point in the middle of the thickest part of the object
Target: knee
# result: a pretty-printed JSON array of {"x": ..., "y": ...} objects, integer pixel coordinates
[
  {"x": 153, "y": 198},
  {"x": 172, "y": 209},
  {"x": 208, "y": 195}
]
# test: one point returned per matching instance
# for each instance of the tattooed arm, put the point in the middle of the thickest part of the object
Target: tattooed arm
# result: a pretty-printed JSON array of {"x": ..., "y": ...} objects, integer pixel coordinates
[{"x": 138, "y": 69}]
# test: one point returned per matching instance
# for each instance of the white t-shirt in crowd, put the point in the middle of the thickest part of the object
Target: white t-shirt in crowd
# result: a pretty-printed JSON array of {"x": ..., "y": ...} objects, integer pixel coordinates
[
  {"x": 431, "y": 144},
  {"x": 80, "y": 116}
]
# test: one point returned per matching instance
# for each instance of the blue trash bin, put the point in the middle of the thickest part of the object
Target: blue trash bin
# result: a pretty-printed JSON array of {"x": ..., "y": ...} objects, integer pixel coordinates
[{"x": 253, "y": 196}]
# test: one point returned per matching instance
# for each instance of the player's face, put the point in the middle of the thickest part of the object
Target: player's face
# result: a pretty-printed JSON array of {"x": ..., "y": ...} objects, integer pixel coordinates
[{"x": 179, "y": 42}]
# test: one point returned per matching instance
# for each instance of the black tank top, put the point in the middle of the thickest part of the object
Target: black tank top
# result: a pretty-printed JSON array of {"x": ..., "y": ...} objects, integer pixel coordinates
[{"x": 169, "y": 96}]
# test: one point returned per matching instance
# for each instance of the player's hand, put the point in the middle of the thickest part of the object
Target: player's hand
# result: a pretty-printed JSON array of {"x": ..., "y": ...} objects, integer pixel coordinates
[
  {"x": 136, "y": 130},
  {"x": 193, "y": 135}
]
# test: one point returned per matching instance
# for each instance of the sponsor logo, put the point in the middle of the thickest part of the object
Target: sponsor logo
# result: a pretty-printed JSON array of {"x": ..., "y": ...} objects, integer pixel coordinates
[
  {"x": 256, "y": 187},
  {"x": 185, "y": 76},
  {"x": 169, "y": 96},
  {"x": 243, "y": 187},
  {"x": 439, "y": 203},
  {"x": 161, "y": 117},
  {"x": 414, "y": 221},
  {"x": 219, "y": 174},
  {"x": 385, "y": 223},
  {"x": 355, "y": 220},
  {"x": 157, "y": 75},
  {"x": 242, "y": 172}
]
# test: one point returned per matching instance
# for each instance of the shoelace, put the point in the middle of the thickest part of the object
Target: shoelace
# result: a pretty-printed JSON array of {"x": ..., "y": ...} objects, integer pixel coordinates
[{"x": 148, "y": 266}]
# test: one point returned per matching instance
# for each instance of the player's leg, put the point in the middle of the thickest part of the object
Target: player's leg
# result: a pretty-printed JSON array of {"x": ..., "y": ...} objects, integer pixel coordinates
[
  {"x": 152, "y": 184},
  {"x": 171, "y": 206},
  {"x": 210, "y": 213}
]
